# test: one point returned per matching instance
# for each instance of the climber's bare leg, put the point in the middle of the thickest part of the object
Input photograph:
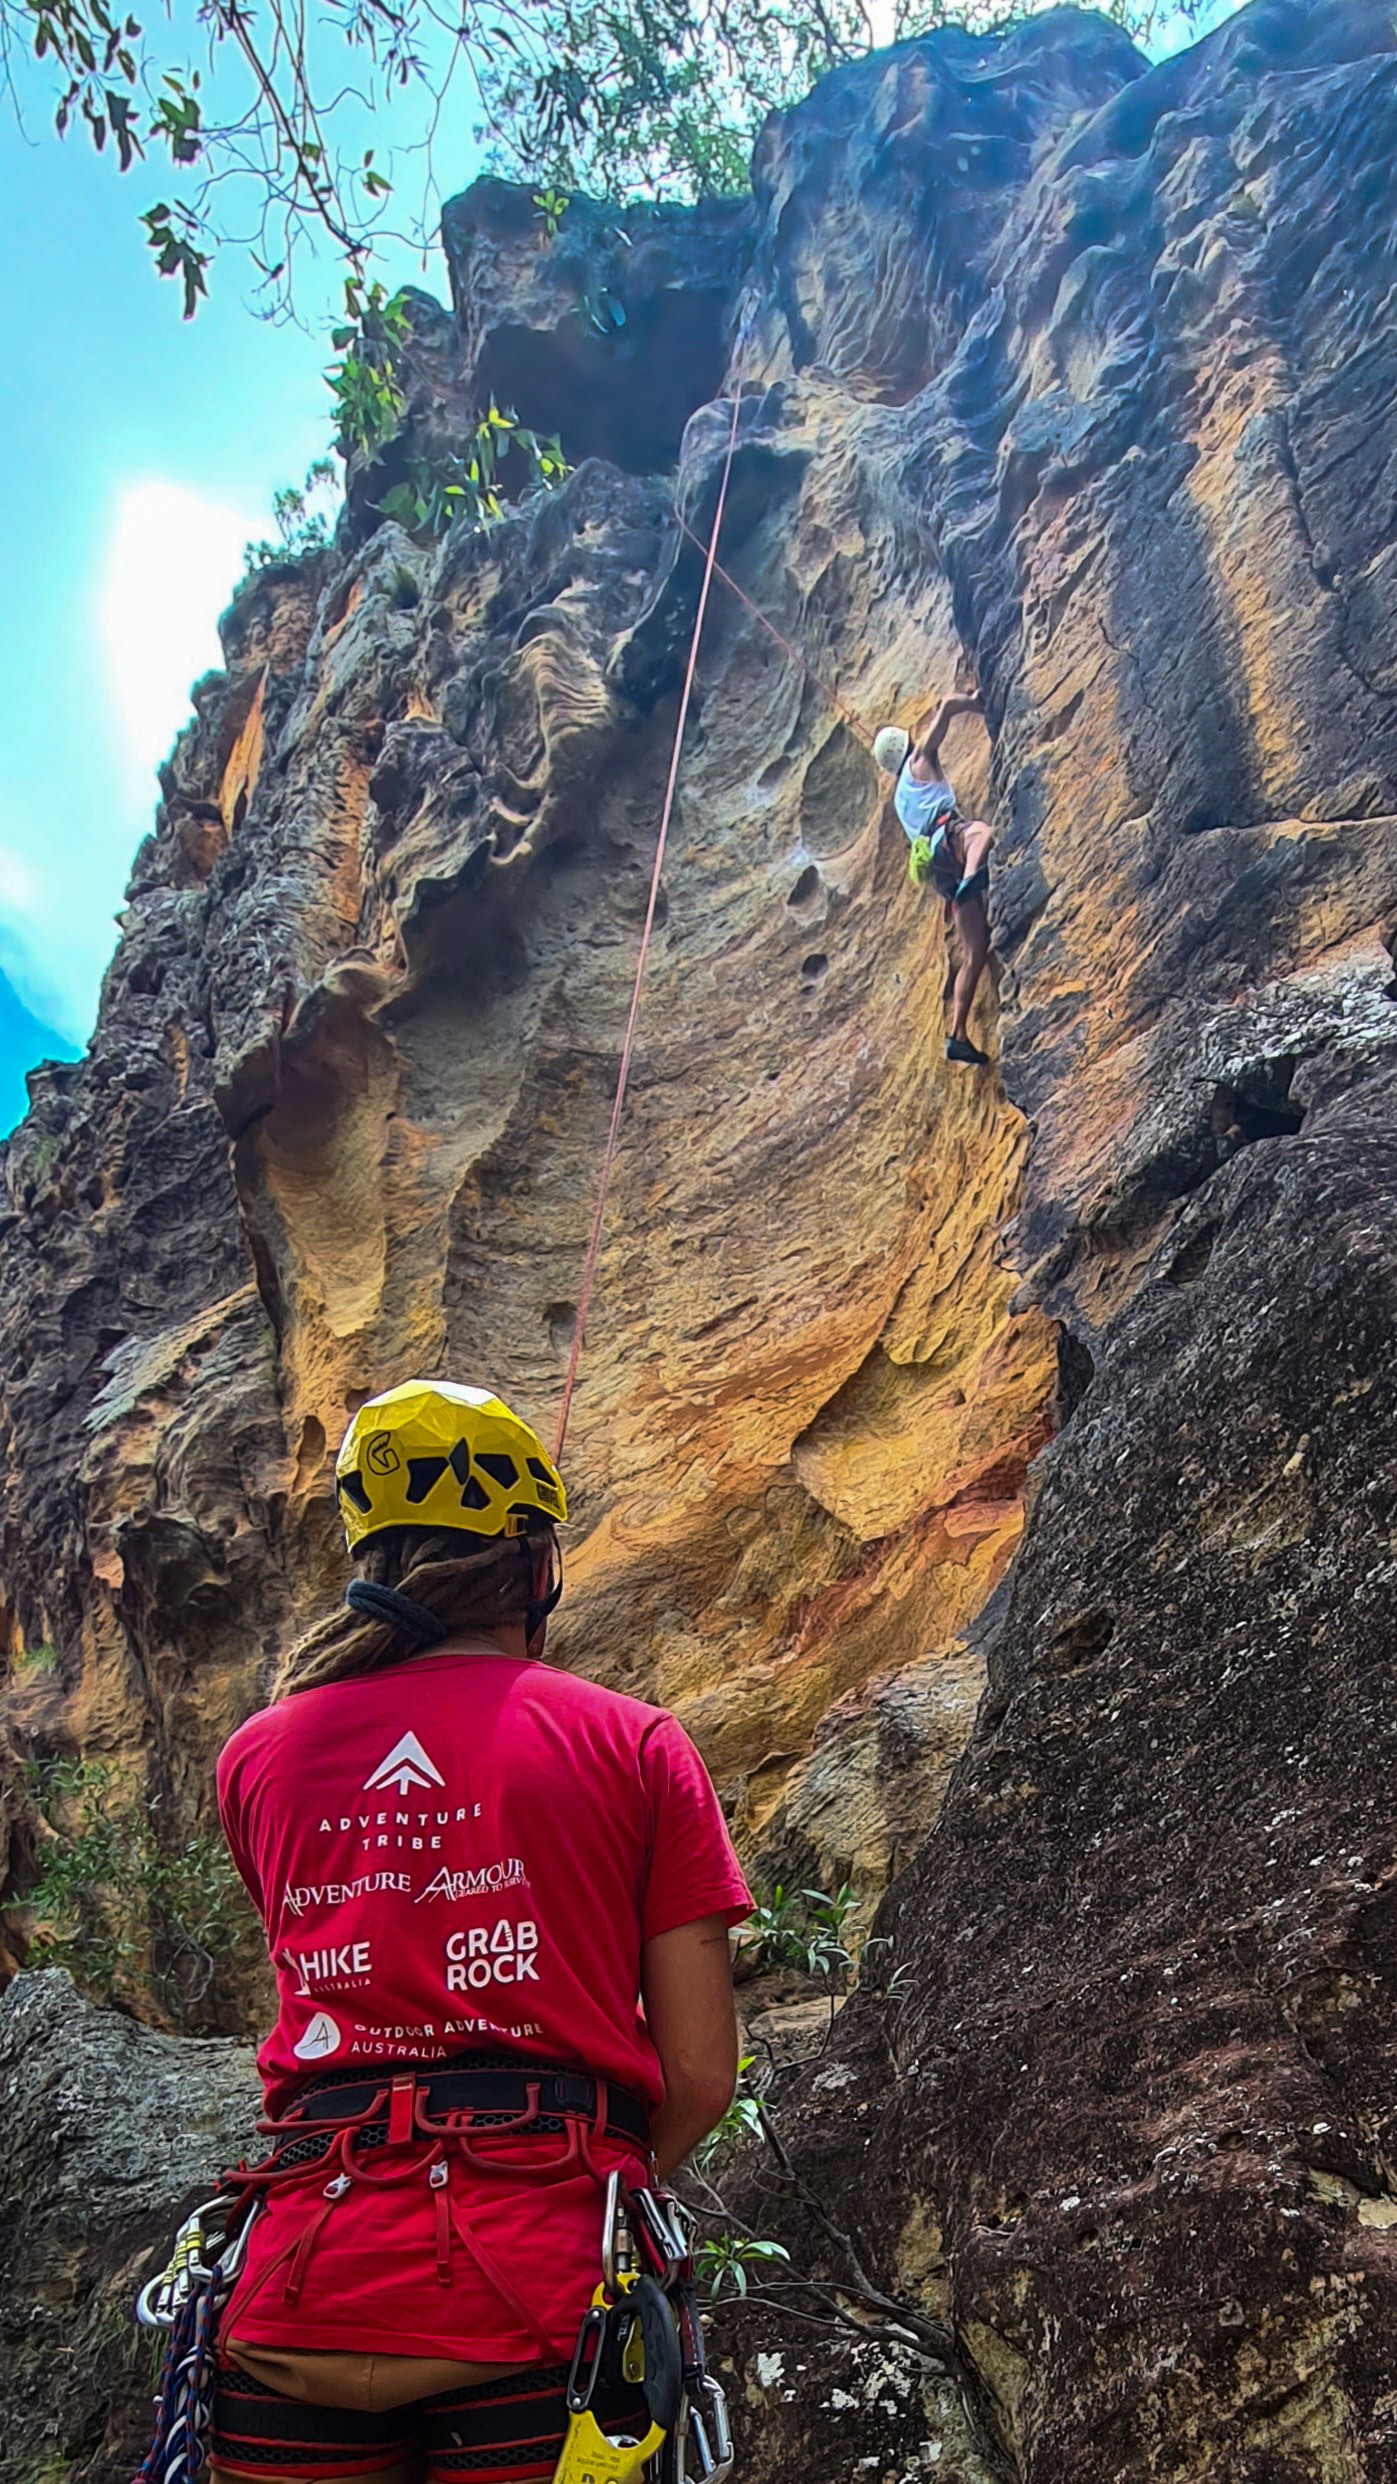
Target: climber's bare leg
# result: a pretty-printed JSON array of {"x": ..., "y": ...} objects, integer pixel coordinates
[
  {"x": 973, "y": 924},
  {"x": 975, "y": 842}
]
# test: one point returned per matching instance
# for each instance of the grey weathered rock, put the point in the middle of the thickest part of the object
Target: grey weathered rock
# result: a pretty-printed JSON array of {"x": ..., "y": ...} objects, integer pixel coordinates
[{"x": 111, "y": 2134}]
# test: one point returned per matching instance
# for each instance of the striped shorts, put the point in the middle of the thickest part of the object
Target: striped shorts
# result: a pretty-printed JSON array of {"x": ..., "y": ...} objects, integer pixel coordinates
[{"x": 500, "y": 2432}]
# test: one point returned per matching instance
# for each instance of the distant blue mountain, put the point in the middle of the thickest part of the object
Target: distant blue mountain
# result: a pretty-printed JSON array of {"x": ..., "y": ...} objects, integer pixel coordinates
[{"x": 24, "y": 1040}]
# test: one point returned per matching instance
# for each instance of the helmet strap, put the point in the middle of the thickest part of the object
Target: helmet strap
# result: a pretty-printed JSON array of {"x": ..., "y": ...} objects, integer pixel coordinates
[
  {"x": 385, "y": 1604},
  {"x": 539, "y": 1608}
]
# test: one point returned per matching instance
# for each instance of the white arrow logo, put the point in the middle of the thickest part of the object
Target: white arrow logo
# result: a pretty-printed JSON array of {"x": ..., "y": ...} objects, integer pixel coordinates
[{"x": 407, "y": 1765}]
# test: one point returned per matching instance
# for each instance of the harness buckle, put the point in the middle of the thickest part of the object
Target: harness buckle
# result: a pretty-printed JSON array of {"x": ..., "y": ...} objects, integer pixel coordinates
[{"x": 402, "y": 2102}]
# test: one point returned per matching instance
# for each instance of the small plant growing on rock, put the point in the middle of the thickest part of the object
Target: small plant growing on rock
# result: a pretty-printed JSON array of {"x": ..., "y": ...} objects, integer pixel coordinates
[
  {"x": 118, "y": 1906},
  {"x": 33, "y": 1663},
  {"x": 552, "y": 206},
  {"x": 724, "y": 2263},
  {"x": 366, "y": 382},
  {"x": 436, "y": 492},
  {"x": 799, "y": 1928}
]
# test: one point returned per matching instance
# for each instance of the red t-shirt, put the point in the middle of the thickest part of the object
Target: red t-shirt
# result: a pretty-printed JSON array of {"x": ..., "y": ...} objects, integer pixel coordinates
[{"x": 461, "y": 1854}]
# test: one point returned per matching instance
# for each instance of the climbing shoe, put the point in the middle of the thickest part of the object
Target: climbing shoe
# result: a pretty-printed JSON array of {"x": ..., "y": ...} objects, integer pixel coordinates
[
  {"x": 919, "y": 862},
  {"x": 973, "y": 886},
  {"x": 959, "y": 1048}
]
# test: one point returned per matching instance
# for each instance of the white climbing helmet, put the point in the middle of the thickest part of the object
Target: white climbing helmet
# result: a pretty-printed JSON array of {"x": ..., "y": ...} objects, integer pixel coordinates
[{"x": 891, "y": 743}]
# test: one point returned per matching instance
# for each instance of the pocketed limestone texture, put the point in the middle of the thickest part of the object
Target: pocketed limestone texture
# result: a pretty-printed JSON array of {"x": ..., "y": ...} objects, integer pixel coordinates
[{"x": 1080, "y": 373}]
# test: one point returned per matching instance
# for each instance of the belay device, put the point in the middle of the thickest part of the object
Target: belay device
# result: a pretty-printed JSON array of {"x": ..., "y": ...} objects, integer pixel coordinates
[{"x": 642, "y": 2332}]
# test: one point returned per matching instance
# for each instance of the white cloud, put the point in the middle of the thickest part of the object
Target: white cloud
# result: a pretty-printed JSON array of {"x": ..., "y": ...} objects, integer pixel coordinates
[
  {"x": 19, "y": 884},
  {"x": 172, "y": 562}
]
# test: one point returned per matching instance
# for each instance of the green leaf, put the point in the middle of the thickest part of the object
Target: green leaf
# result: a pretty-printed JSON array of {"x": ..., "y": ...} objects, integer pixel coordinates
[{"x": 401, "y": 504}]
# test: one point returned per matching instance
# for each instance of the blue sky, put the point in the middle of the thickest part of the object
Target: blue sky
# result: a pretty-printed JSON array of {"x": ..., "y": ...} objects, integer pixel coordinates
[{"x": 140, "y": 452}]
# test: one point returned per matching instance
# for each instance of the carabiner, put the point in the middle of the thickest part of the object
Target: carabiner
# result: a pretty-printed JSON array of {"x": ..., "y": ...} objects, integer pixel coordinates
[
  {"x": 657, "y": 2218},
  {"x": 582, "y": 2379},
  {"x": 161, "y": 2300},
  {"x": 714, "y": 2453},
  {"x": 618, "y": 2256}
]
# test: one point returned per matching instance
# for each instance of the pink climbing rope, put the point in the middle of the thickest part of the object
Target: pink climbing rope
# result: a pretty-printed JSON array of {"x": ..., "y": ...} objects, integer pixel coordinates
[{"x": 589, "y": 1264}]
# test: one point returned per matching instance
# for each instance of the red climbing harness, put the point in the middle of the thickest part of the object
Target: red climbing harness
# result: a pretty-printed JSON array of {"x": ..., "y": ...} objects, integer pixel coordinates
[
  {"x": 362, "y": 2132},
  {"x": 365, "y": 2134}
]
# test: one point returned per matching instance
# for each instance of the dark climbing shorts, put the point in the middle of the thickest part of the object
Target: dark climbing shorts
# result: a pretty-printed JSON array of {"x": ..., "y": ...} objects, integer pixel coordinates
[
  {"x": 945, "y": 864},
  {"x": 501, "y": 2432}
]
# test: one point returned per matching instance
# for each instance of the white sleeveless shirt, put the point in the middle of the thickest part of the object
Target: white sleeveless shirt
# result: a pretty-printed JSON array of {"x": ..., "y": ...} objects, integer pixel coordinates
[{"x": 923, "y": 809}]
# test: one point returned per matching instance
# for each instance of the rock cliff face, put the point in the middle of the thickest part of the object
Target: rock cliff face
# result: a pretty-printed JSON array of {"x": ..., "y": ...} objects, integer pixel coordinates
[
  {"x": 1083, "y": 372},
  {"x": 110, "y": 2131}
]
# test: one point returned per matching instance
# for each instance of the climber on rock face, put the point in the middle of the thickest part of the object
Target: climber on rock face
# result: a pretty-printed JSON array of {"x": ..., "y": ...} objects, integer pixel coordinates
[
  {"x": 951, "y": 852},
  {"x": 468, "y": 1864}
]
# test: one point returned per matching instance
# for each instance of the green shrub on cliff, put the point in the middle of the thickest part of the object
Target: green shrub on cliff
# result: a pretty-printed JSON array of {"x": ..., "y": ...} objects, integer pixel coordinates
[
  {"x": 365, "y": 382},
  {"x": 437, "y": 492},
  {"x": 122, "y": 1908},
  {"x": 304, "y": 517},
  {"x": 800, "y": 1928}
]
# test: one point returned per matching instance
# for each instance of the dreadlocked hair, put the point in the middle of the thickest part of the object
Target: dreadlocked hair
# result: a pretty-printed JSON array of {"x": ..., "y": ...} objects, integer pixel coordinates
[{"x": 474, "y": 1589}]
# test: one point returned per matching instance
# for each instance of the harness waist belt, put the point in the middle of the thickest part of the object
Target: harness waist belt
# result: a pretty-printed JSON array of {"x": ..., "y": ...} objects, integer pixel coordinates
[{"x": 523, "y": 2098}]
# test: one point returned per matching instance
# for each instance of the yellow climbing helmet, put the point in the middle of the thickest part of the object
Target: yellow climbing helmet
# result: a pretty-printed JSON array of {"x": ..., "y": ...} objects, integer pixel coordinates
[{"x": 430, "y": 1454}]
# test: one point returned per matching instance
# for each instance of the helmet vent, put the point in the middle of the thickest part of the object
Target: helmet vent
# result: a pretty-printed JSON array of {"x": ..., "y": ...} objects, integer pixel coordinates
[{"x": 422, "y": 1475}]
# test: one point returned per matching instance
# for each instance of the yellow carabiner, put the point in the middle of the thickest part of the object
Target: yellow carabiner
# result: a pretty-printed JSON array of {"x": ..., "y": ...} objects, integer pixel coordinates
[{"x": 589, "y": 2457}]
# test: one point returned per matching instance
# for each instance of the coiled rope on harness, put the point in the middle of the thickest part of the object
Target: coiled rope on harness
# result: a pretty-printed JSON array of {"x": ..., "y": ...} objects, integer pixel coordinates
[
  {"x": 187, "y": 2299},
  {"x": 594, "y": 1238}
]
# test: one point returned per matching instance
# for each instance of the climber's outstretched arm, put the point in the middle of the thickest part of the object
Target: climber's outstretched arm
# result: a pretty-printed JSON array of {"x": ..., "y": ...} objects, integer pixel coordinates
[{"x": 931, "y": 732}]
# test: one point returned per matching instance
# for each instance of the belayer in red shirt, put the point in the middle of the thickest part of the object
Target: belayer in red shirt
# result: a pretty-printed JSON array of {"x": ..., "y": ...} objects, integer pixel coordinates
[{"x": 497, "y": 1899}]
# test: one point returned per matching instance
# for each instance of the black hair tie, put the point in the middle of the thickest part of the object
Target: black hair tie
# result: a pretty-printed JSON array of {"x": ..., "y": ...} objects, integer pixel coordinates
[{"x": 384, "y": 1604}]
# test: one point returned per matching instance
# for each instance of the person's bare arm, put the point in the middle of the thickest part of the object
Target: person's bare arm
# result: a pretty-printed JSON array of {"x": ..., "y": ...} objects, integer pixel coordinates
[
  {"x": 686, "y": 1985},
  {"x": 931, "y": 732}
]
